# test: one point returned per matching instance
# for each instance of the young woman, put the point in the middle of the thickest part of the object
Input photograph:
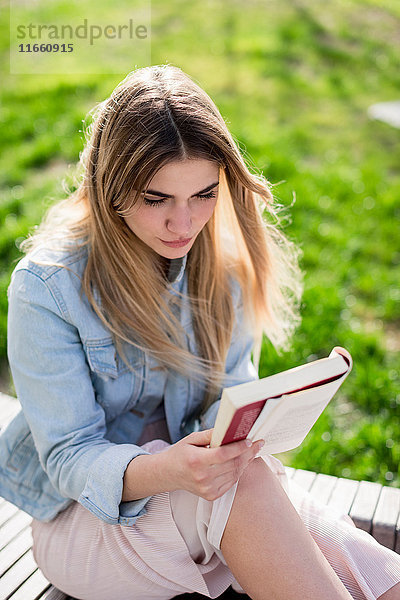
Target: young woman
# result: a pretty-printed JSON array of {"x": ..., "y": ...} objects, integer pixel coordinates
[{"x": 141, "y": 296}]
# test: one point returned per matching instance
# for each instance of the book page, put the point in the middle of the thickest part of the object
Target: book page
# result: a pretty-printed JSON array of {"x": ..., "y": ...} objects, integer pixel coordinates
[
  {"x": 268, "y": 408},
  {"x": 288, "y": 423}
]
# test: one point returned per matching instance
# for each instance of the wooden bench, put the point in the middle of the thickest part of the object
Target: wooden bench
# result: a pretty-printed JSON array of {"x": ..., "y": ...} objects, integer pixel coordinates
[{"x": 373, "y": 507}]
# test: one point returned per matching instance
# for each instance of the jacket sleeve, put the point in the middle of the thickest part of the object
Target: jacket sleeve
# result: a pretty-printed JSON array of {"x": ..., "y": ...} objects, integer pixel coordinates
[
  {"x": 239, "y": 367},
  {"x": 53, "y": 383}
]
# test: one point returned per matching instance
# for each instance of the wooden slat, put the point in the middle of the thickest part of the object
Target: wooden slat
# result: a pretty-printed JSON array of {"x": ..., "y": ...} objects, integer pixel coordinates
[
  {"x": 343, "y": 495},
  {"x": 32, "y": 588},
  {"x": 290, "y": 472},
  {"x": 385, "y": 517},
  {"x": 304, "y": 478},
  {"x": 16, "y": 576},
  {"x": 322, "y": 487},
  {"x": 15, "y": 549},
  {"x": 364, "y": 505},
  {"x": 12, "y": 528},
  {"x": 7, "y": 510}
]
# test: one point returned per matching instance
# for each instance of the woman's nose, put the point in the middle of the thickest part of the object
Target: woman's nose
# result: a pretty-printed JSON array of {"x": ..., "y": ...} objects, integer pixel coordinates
[{"x": 179, "y": 221}]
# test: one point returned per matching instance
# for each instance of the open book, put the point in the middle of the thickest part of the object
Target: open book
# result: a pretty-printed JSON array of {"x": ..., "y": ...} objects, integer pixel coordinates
[{"x": 281, "y": 408}]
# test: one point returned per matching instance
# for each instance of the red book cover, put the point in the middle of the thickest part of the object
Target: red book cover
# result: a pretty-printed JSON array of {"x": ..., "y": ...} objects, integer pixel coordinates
[{"x": 242, "y": 421}]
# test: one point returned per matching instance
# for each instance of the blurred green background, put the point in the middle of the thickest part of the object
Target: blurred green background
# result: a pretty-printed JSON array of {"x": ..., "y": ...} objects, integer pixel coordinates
[{"x": 294, "y": 80}]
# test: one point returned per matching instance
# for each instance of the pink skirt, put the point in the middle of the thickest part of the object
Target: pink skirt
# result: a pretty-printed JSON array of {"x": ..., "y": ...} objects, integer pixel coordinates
[{"x": 175, "y": 547}]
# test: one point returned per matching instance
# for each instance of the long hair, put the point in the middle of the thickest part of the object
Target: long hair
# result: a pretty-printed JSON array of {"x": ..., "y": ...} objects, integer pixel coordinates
[{"x": 157, "y": 115}]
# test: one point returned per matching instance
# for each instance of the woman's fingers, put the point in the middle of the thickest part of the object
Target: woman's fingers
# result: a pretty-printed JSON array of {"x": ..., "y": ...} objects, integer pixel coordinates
[
  {"x": 229, "y": 452},
  {"x": 207, "y": 471},
  {"x": 200, "y": 438},
  {"x": 235, "y": 467},
  {"x": 226, "y": 479}
]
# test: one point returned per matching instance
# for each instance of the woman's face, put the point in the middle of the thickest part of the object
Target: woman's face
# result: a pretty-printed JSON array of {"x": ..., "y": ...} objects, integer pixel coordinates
[{"x": 180, "y": 199}]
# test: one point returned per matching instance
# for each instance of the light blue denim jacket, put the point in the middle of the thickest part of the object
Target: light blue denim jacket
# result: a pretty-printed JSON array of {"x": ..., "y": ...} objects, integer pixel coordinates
[{"x": 76, "y": 432}]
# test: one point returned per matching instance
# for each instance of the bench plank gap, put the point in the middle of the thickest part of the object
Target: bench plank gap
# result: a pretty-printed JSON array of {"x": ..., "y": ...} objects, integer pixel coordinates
[
  {"x": 7, "y": 510},
  {"x": 322, "y": 487},
  {"x": 304, "y": 478},
  {"x": 13, "y": 527},
  {"x": 14, "y": 550},
  {"x": 35, "y": 585},
  {"x": 343, "y": 495},
  {"x": 17, "y": 575},
  {"x": 386, "y": 516},
  {"x": 364, "y": 505},
  {"x": 290, "y": 471}
]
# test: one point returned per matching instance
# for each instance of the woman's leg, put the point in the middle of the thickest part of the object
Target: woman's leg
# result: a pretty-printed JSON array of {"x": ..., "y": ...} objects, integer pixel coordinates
[
  {"x": 392, "y": 594},
  {"x": 268, "y": 548}
]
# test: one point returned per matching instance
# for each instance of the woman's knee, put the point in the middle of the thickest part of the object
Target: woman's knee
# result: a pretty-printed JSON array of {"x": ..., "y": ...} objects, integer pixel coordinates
[
  {"x": 255, "y": 487},
  {"x": 256, "y": 473}
]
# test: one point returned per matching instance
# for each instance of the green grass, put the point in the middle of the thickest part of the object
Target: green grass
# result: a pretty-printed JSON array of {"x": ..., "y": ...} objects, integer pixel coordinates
[{"x": 294, "y": 81}]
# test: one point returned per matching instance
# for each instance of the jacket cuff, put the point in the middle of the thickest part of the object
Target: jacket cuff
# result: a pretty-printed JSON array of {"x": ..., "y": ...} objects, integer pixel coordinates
[{"x": 103, "y": 497}]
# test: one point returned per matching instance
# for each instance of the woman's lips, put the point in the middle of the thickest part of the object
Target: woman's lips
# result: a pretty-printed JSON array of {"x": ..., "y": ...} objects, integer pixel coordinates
[{"x": 178, "y": 243}]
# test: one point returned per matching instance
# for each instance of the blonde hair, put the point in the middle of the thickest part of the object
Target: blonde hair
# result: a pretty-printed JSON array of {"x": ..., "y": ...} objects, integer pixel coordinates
[{"x": 156, "y": 115}]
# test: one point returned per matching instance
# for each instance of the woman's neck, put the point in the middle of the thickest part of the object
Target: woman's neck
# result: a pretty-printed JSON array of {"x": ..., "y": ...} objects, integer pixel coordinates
[{"x": 165, "y": 263}]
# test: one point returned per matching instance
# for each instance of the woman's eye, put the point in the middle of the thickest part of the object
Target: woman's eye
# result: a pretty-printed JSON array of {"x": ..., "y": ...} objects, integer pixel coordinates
[
  {"x": 207, "y": 196},
  {"x": 150, "y": 202}
]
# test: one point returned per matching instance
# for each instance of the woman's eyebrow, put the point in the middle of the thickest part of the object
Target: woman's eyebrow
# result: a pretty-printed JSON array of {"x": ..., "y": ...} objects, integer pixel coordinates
[{"x": 155, "y": 193}]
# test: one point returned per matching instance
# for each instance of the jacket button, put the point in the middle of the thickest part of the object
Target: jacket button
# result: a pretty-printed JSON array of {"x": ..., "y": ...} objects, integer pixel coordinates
[{"x": 139, "y": 413}]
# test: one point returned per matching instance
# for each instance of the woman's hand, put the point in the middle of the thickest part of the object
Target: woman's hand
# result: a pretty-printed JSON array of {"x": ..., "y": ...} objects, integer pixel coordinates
[{"x": 206, "y": 472}]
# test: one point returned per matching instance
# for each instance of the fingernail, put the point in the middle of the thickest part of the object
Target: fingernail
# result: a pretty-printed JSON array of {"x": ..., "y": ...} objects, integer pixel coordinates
[
  {"x": 248, "y": 443},
  {"x": 261, "y": 444}
]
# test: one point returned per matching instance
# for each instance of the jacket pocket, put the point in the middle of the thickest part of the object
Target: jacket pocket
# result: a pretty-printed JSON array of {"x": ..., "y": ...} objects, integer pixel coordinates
[
  {"x": 117, "y": 385},
  {"x": 104, "y": 360}
]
